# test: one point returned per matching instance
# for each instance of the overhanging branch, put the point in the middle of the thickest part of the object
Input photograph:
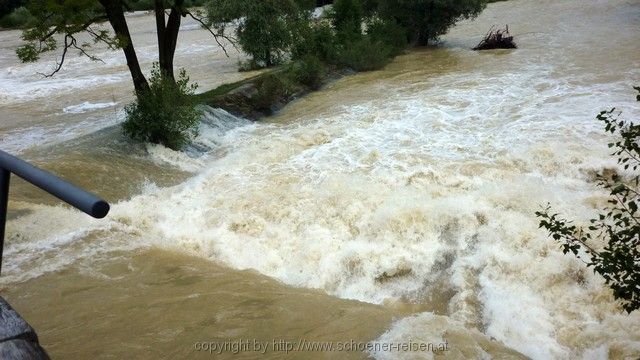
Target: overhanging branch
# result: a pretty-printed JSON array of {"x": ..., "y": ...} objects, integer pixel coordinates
[
  {"x": 216, "y": 36},
  {"x": 67, "y": 45},
  {"x": 70, "y": 42}
]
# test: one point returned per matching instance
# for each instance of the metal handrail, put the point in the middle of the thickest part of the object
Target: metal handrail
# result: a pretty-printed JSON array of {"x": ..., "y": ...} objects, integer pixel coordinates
[{"x": 65, "y": 191}]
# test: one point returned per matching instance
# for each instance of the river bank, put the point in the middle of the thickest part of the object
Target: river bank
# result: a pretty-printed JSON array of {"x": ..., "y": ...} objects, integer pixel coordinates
[{"x": 265, "y": 94}]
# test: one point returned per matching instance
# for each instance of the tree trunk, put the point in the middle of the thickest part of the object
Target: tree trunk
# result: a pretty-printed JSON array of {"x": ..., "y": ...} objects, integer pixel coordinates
[
  {"x": 168, "y": 35},
  {"x": 171, "y": 38},
  {"x": 161, "y": 28},
  {"x": 115, "y": 13},
  {"x": 425, "y": 34},
  {"x": 423, "y": 38},
  {"x": 267, "y": 59}
]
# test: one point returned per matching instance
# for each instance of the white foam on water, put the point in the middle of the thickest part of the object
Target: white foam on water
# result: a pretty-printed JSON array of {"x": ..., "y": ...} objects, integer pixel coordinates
[
  {"x": 28, "y": 85},
  {"x": 49, "y": 238},
  {"x": 87, "y": 107},
  {"x": 215, "y": 128},
  {"x": 162, "y": 155},
  {"x": 440, "y": 335},
  {"x": 398, "y": 198},
  {"x": 18, "y": 140}
]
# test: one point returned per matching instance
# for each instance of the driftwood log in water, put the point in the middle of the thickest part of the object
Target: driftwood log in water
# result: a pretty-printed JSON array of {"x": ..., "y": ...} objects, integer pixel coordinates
[
  {"x": 497, "y": 39},
  {"x": 18, "y": 340}
]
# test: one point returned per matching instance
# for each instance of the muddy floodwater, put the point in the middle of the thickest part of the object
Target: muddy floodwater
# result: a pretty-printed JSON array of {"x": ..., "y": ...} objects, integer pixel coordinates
[{"x": 393, "y": 206}]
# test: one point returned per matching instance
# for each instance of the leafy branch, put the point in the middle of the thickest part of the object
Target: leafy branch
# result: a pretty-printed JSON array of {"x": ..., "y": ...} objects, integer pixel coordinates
[{"x": 617, "y": 228}]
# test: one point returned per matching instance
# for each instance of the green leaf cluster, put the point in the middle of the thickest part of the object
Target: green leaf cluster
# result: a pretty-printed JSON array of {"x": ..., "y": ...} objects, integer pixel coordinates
[
  {"x": 617, "y": 227},
  {"x": 265, "y": 29},
  {"x": 425, "y": 20},
  {"x": 165, "y": 114},
  {"x": 62, "y": 17},
  {"x": 18, "y": 18}
]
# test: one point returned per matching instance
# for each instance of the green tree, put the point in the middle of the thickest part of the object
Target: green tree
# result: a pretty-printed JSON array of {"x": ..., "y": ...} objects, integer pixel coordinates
[
  {"x": 265, "y": 28},
  {"x": 162, "y": 112},
  {"x": 347, "y": 17},
  {"x": 19, "y": 18},
  {"x": 7, "y": 6},
  {"x": 315, "y": 39},
  {"x": 425, "y": 20},
  {"x": 58, "y": 23},
  {"x": 364, "y": 43},
  {"x": 165, "y": 113},
  {"x": 612, "y": 241}
]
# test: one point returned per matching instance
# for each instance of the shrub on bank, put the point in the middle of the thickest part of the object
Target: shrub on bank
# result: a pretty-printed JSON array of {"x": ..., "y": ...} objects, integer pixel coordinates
[
  {"x": 426, "y": 20},
  {"x": 19, "y": 18},
  {"x": 371, "y": 50},
  {"x": 165, "y": 114},
  {"x": 317, "y": 40},
  {"x": 388, "y": 32},
  {"x": 270, "y": 90},
  {"x": 362, "y": 35},
  {"x": 308, "y": 71},
  {"x": 249, "y": 65},
  {"x": 347, "y": 17},
  {"x": 365, "y": 54}
]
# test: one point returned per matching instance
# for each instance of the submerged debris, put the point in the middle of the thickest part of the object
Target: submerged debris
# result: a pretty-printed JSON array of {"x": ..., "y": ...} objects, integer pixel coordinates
[
  {"x": 497, "y": 39},
  {"x": 393, "y": 274}
]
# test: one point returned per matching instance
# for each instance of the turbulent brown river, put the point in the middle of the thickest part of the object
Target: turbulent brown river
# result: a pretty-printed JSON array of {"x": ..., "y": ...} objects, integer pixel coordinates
[{"x": 391, "y": 206}]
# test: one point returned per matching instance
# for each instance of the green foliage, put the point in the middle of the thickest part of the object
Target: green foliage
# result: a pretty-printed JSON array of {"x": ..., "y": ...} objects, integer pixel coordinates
[
  {"x": 194, "y": 3},
  {"x": 355, "y": 33},
  {"x": 365, "y": 54},
  {"x": 617, "y": 227},
  {"x": 249, "y": 65},
  {"x": 388, "y": 32},
  {"x": 308, "y": 71},
  {"x": 265, "y": 28},
  {"x": 65, "y": 18},
  {"x": 265, "y": 38},
  {"x": 7, "y": 6},
  {"x": 166, "y": 113},
  {"x": 425, "y": 20},
  {"x": 19, "y": 18},
  {"x": 347, "y": 17},
  {"x": 383, "y": 39},
  {"x": 316, "y": 39},
  {"x": 139, "y": 5},
  {"x": 270, "y": 90}
]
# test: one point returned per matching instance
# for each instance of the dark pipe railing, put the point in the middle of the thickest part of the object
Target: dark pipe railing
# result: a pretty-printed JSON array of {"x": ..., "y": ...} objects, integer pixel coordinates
[{"x": 71, "y": 194}]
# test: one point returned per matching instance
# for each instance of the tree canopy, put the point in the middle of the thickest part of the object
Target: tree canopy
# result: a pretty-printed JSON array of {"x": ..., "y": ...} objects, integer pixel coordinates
[
  {"x": 265, "y": 29},
  {"x": 7, "y": 6},
  {"x": 59, "y": 22},
  {"x": 163, "y": 111},
  {"x": 425, "y": 20}
]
